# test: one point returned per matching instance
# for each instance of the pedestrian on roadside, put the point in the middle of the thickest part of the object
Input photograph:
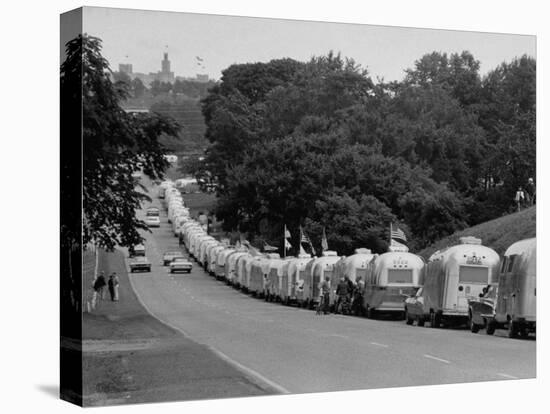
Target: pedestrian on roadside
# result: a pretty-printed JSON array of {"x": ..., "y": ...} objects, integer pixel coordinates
[
  {"x": 357, "y": 304},
  {"x": 113, "y": 287},
  {"x": 99, "y": 285}
]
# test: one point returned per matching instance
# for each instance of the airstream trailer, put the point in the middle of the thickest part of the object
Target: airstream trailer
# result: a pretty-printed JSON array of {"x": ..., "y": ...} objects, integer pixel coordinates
[
  {"x": 220, "y": 261},
  {"x": 203, "y": 250},
  {"x": 208, "y": 253},
  {"x": 231, "y": 265},
  {"x": 259, "y": 271},
  {"x": 274, "y": 283},
  {"x": 352, "y": 266},
  {"x": 455, "y": 275},
  {"x": 516, "y": 307},
  {"x": 292, "y": 290},
  {"x": 391, "y": 278},
  {"x": 244, "y": 264},
  {"x": 212, "y": 258},
  {"x": 316, "y": 271},
  {"x": 195, "y": 245},
  {"x": 194, "y": 236}
]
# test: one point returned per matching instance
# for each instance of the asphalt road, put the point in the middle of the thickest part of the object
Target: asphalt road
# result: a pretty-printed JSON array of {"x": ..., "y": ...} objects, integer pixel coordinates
[{"x": 297, "y": 351}]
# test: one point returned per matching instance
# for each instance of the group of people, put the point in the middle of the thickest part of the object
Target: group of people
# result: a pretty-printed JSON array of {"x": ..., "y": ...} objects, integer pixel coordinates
[
  {"x": 100, "y": 283},
  {"x": 349, "y": 295},
  {"x": 527, "y": 196}
]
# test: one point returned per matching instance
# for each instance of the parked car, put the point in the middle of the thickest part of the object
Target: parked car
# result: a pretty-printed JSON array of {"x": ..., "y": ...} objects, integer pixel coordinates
[
  {"x": 152, "y": 221},
  {"x": 167, "y": 257},
  {"x": 414, "y": 309},
  {"x": 180, "y": 264},
  {"x": 481, "y": 310},
  {"x": 141, "y": 264},
  {"x": 137, "y": 250}
]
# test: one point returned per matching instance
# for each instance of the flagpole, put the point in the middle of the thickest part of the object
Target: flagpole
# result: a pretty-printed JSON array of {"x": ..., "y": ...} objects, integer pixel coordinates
[
  {"x": 390, "y": 232},
  {"x": 284, "y": 241}
]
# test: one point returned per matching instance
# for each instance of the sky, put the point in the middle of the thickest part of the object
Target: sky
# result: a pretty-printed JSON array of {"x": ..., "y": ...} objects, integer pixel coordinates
[{"x": 141, "y": 37}]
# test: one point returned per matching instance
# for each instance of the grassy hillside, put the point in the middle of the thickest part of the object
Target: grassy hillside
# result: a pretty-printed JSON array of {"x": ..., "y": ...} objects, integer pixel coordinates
[{"x": 497, "y": 234}]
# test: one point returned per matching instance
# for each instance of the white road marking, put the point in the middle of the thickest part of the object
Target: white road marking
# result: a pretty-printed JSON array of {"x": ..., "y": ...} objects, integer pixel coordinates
[
  {"x": 378, "y": 344},
  {"x": 339, "y": 336},
  {"x": 437, "y": 359},
  {"x": 507, "y": 376}
]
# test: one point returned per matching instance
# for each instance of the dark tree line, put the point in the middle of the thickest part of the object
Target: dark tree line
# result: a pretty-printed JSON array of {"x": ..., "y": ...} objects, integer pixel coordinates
[{"x": 320, "y": 144}]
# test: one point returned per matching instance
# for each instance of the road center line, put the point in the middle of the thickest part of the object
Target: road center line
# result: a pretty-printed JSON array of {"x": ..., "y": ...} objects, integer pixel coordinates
[
  {"x": 437, "y": 359},
  {"x": 507, "y": 376},
  {"x": 377, "y": 344}
]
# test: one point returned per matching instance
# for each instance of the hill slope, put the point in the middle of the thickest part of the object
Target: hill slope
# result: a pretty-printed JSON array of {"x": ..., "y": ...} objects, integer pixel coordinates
[{"x": 497, "y": 234}]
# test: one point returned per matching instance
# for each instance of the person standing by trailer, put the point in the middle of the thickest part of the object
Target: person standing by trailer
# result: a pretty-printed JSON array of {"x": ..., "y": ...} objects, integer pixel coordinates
[
  {"x": 324, "y": 300},
  {"x": 357, "y": 304},
  {"x": 113, "y": 287},
  {"x": 342, "y": 292}
]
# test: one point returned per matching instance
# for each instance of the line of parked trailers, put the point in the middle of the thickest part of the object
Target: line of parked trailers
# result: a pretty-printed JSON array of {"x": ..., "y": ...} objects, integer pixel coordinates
[{"x": 465, "y": 283}]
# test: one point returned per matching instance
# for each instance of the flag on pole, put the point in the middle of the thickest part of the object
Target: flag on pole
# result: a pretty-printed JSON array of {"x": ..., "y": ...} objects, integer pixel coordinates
[
  {"x": 398, "y": 234},
  {"x": 287, "y": 236},
  {"x": 305, "y": 239},
  {"x": 324, "y": 241}
]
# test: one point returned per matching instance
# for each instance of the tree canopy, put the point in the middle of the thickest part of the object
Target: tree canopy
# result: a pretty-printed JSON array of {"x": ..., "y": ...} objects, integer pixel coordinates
[
  {"x": 319, "y": 144},
  {"x": 116, "y": 144}
]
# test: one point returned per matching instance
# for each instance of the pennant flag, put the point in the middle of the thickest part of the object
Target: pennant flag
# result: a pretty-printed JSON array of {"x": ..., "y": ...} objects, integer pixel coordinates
[
  {"x": 398, "y": 235},
  {"x": 252, "y": 250},
  {"x": 324, "y": 241},
  {"x": 287, "y": 245},
  {"x": 287, "y": 233},
  {"x": 269, "y": 248}
]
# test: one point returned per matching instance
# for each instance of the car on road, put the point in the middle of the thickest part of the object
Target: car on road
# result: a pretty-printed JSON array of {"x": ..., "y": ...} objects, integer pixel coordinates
[
  {"x": 152, "y": 221},
  {"x": 181, "y": 264},
  {"x": 137, "y": 250},
  {"x": 168, "y": 256},
  {"x": 140, "y": 264}
]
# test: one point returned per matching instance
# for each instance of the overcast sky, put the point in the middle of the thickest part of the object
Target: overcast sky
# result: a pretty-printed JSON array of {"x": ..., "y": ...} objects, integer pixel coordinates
[{"x": 141, "y": 37}]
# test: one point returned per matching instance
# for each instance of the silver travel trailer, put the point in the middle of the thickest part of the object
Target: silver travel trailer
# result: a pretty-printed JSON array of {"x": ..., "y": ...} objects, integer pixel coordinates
[
  {"x": 259, "y": 272},
  {"x": 358, "y": 264},
  {"x": 219, "y": 272},
  {"x": 455, "y": 275},
  {"x": 391, "y": 277},
  {"x": 274, "y": 286},
  {"x": 316, "y": 271},
  {"x": 516, "y": 304},
  {"x": 292, "y": 289},
  {"x": 231, "y": 265}
]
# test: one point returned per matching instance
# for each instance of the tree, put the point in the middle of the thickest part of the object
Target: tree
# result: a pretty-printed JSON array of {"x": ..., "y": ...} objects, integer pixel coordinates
[
  {"x": 116, "y": 144},
  {"x": 138, "y": 88}
]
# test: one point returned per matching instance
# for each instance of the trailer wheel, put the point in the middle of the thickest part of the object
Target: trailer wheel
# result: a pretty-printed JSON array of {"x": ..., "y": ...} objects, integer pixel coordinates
[
  {"x": 435, "y": 319},
  {"x": 491, "y": 327},
  {"x": 474, "y": 328},
  {"x": 512, "y": 329},
  {"x": 371, "y": 313},
  {"x": 408, "y": 319}
]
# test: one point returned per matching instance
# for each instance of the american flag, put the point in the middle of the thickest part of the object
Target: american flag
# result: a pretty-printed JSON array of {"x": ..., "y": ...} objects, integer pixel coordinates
[
  {"x": 324, "y": 241},
  {"x": 287, "y": 236},
  {"x": 398, "y": 234},
  {"x": 305, "y": 239}
]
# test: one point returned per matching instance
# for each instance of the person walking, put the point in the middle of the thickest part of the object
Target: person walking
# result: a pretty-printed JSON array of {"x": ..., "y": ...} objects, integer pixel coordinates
[
  {"x": 99, "y": 285},
  {"x": 113, "y": 287}
]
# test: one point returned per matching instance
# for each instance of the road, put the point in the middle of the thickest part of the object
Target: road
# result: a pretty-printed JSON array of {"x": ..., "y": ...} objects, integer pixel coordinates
[{"x": 297, "y": 351}]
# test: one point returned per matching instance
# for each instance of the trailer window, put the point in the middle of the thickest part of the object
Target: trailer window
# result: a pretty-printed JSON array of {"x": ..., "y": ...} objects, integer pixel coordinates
[
  {"x": 400, "y": 276},
  {"x": 510, "y": 263},
  {"x": 473, "y": 274}
]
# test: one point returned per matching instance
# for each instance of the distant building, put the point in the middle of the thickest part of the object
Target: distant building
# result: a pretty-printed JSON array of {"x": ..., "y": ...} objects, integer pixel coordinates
[
  {"x": 202, "y": 78},
  {"x": 165, "y": 75},
  {"x": 126, "y": 68}
]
